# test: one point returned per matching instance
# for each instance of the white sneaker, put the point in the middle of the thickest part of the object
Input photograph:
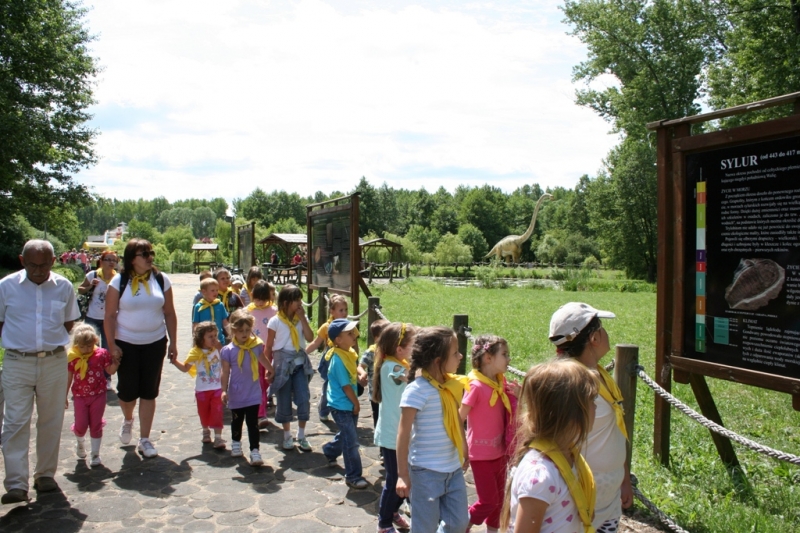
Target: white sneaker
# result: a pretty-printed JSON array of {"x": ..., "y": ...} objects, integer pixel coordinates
[
  {"x": 80, "y": 448},
  {"x": 146, "y": 448},
  {"x": 255, "y": 458},
  {"x": 96, "y": 460},
  {"x": 288, "y": 443},
  {"x": 236, "y": 448},
  {"x": 126, "y": 431}
]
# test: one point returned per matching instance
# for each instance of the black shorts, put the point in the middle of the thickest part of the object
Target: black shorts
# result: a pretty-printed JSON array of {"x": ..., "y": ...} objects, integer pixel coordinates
[{"x": 139, "y": 373}]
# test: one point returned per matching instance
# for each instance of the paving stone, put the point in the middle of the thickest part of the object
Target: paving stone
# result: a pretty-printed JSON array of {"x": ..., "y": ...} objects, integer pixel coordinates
[
  {"x": 199, "y": 526},
  {"x": 202, "y": 515},
  {"x": 136, "y": 530},
  {"x": 109, "y": 509},
  {"x": 237, "y": 519},
  {"x": 49, "y": 526},
  {"x": 142, "y": 481},
  {"x": 343, "y": 516},
  {"x": 299, "y": 526},
  {"x": 291, "y": 502},
  {"x": 180, "y": 520},
  {"x": 184, "y": 489},
  {"x": 133, "y": 522},
  {"x": 359, "y": 498},
  {"x": 181, "y": 509},
  {"x": 226, "y": 503}
]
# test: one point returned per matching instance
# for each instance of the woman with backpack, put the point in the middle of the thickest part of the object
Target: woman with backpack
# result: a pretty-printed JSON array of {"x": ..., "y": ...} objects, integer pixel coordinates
[
  {"x": 140, "y": 313},
  {"x": 94, "y": 288}
]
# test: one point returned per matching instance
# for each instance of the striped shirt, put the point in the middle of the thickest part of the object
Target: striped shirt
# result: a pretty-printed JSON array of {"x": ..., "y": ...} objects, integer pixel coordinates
[{"x": 430, "y": 446}]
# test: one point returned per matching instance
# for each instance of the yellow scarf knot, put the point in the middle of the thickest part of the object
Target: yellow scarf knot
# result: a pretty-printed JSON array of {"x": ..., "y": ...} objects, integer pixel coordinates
[
  {"x": 350, "y": 360},
  {"x": 253, "y": 306},
  {"x": 292, "y": 328},
  {"x": 402, "y": 362},
  {"x": 143, "y": 279},
  {"x": 248, "y": 347},
  {"x": 450, "y": 394},
  {"x": 83, "y": 359},
  {"x": 198, "y": 355},
  {"x": 610, "y": 392},
  {"x": 582, "y": 489},
  {"x": 498, "y": 388},
  {"x": 205, "y": 304},
  {"x": 99, "y": 274}
]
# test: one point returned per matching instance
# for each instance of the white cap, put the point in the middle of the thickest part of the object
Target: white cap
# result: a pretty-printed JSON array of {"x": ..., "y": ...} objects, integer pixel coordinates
[{"x": 571, "y": 318}]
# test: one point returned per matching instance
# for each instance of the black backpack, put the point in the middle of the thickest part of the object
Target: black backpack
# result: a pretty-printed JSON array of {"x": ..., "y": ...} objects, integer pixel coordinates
[
  {"x": 124, "y": 278},
  {"x": 84, "y": 300}
]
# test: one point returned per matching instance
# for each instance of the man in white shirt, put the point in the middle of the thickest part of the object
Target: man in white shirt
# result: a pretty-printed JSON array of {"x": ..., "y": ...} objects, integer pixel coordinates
[{"x": 37, "y": 311}]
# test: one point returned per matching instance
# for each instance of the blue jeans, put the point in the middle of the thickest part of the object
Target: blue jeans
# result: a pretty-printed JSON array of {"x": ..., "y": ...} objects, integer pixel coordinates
[
  {"x": 438, "y": 501},
  {"x": 390, "y": 501},
  {"x": 296, "y": 387},
  {"x": 345, "y": 443}
]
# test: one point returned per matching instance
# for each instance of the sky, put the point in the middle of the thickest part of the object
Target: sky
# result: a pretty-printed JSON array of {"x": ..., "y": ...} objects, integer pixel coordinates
[{"x": 202, "y": 99}]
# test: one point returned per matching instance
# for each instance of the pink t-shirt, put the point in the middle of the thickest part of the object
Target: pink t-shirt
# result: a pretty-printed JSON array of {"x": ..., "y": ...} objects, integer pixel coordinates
[
  {"x": 94, "y": 382},
  {"x": 262, "y": 317},
  {"x": 485, "y": 424}
]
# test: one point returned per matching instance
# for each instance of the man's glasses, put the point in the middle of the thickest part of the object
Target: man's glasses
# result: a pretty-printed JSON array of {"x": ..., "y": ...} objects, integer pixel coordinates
[{"x": 145, "y": 255}]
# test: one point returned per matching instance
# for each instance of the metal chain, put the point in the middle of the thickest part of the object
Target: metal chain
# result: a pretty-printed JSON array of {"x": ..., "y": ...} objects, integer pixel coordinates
[
  {"x": 653, "y": 509},
  {"x": 713, "y": 426}
]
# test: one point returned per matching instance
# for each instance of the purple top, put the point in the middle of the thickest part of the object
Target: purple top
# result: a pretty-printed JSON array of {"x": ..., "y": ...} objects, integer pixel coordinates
[{"x": 242, "y": 390}]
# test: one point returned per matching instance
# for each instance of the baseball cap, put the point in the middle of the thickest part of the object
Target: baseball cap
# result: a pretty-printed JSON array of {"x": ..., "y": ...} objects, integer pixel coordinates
[
  {"x": 571, "y": 319},
  {"x": 338, "y": 326},
  {"x": 236, "y": 278}
]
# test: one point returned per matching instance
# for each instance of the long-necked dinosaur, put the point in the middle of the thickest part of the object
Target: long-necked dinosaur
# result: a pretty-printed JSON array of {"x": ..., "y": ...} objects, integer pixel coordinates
[{"x": 511, "y": 245}]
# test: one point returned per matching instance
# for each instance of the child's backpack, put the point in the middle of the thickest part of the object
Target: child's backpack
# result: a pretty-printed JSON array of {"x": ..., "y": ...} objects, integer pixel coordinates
[{"x": 84, "y": 300}]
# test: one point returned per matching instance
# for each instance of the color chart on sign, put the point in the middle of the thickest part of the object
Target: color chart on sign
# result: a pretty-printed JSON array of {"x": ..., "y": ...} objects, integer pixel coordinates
[{"x": 700, "y": 271}]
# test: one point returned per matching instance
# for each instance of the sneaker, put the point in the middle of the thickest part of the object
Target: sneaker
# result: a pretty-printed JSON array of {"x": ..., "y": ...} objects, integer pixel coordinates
[
  {"x": 236, "y": 449},
  {"x": 324, "y": 418},
  {"x": 80, "y": 448},
  {"x": 263, "y": 424},
  {"x": 359, "y": 484},
  {"x": 146, "y": 448},
  {"x": 96, "y": 460},
  {"x": 288, "y": 443},
  {"x": 332, "y": 462},
  {"x": 206, "y": 436},
  {"x": 389, "y": 529},
  {"x": 303, "y": 444},
  {"x": 125, "y": 432},
  {"x": 255, "y": 458},
  {"x": 400, "y": 522},
  {"x": 219, "y": 443}
]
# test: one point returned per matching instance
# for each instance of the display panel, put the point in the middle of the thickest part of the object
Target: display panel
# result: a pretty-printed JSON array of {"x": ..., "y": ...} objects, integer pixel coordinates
[
  {"x": 742, "y": 269},
  {"x": 330, "y": 249}
]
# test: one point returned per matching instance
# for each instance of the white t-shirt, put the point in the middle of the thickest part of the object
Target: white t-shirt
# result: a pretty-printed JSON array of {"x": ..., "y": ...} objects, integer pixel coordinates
[
  {"x": 605, "y": 452},
  {"x": 211, "y": 379},
  {"x": 537, "y": 477},
  {"x": 140, "y": 318},
  {"x": 283, "y": 336},
  {"x": 97, "y": 305},
  {"x": 430, "y": 446}
]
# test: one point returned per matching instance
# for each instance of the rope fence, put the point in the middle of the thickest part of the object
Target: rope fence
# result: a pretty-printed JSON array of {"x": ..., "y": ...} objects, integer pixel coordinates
[
  {"x": 666, "y": 520},
  {"x": 311, "y": 303}
]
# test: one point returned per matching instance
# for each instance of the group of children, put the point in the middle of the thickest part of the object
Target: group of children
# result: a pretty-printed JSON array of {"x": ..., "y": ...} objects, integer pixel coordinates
[{"x": 556, "y": 464}]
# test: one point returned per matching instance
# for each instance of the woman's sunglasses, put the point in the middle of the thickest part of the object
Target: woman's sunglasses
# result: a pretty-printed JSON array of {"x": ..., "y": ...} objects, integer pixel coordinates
[{"x": 145, "y": 255}]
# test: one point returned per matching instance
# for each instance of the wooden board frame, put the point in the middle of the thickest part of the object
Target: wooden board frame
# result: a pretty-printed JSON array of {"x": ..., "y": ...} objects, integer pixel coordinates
[
  {"x": 674, "y": 143},
  {"x": 344, "y": 204},
  {"x": 251, "y": 251}
]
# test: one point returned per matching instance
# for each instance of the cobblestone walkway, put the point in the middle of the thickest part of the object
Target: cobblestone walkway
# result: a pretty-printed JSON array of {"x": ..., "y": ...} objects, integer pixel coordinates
[{"x": 190, "y": 487}]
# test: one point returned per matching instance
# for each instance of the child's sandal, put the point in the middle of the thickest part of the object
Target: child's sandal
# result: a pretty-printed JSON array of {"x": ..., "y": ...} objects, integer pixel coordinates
[{"x": 206, "y": 435}]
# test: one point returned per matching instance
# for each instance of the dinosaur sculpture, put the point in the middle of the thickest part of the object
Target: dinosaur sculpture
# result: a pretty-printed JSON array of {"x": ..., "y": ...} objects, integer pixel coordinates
[{"x": 511, "y": 245}]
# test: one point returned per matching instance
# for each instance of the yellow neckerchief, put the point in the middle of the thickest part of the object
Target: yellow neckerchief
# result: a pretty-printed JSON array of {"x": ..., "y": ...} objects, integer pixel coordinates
[
  {"x": 225, "y": 296},
  {"x": 329, "y": 352},
  {"x": 610, "y": 392},
  {"x": 581, "y": 489},
  {"x": 99, "y": 274},
  {"x": 292, "y": 329},
  {"x": 450, "y": 393},
  {"x": 136, "y": 278},
  {"x": 83, "y": 365},
  {"x": 402, "y": 362},
  {"x": 253, "y": 306},
  {"x": 248, "y": 347},
  {"x": 205, "y": 304},
  {"x": 328, "y": 340},
  {"x": 198, "y": 355},
  {"x": 350, "y": 360},
  {"x": 498, "y": 387}
]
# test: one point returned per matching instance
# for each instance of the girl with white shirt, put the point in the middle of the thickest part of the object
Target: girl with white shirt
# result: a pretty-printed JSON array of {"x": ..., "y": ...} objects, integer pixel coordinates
[{"x": 287, "y": 335}]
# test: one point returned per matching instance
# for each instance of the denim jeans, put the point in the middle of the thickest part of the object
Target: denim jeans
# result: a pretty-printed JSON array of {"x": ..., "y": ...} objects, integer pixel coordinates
[
  {"x": 345, "y": 443},
  {"x": 438, "y": 501},
  {"x": 296, "y": 387},
  {"x": 390, "y": 501}
]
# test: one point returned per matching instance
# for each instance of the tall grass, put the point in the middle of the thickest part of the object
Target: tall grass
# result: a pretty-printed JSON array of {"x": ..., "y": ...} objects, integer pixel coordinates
[{"x": 696, "y": 489}]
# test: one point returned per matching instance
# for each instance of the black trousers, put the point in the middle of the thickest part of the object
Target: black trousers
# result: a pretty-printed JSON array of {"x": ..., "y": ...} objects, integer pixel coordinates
[{"x": 247, "y": 414}]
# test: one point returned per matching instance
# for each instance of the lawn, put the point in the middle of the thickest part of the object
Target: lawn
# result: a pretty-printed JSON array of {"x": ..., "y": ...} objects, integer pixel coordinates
[{"x": 696, "y": 490}]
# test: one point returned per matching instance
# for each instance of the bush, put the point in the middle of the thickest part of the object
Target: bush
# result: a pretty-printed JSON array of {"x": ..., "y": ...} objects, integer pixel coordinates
[
  {"x": 487, "y": 276},
  {"x": 72, "y": 272}
]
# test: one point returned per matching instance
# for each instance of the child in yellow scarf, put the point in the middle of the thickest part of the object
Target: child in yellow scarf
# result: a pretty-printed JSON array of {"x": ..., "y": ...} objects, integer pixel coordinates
[
  {"x": 337, "y": 308},
  {"x": 263, "y": 308},
  {"x": 437, "y": 449},
  {"x": 204, "y": 364},
  {"x": 85, "y": 367},
  {"x": 210, "y": 308}
]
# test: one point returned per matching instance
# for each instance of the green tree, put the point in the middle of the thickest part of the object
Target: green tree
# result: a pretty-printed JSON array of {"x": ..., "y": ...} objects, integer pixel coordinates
[
  {"x": 426, "y": 239},
  {"x": 472, "y": 237},
  {"x": 46, "y": 76},
  {"x": 178, "y": 238},
  {"x": 286, "y": 225},
  {"x": 143, "y": 230},
  {"x": 450, "y": 249},
  {"x": 485, "y": 208},
  {"x": 204, "y": 221}
]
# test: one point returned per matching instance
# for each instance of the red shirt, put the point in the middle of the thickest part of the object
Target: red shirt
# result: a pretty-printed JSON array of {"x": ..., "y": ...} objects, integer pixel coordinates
[{"x": 95, "y": 381}]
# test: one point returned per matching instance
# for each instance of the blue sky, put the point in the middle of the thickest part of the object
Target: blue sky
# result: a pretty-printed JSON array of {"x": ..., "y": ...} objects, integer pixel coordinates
[{"x": 206, "y": 99}]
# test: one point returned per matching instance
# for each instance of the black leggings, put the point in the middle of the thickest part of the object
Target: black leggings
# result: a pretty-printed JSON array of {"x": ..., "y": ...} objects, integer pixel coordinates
[{"x": 247, "y": 414}]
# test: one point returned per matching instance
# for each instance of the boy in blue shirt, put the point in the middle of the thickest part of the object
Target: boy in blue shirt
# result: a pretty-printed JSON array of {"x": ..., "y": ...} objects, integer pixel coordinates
[
  {"x": 211, "y": 309},
  {"x": 343, "y": 401}
]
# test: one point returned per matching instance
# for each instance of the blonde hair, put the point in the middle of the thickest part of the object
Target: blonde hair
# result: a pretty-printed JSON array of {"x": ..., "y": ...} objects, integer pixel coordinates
[
  {"x": 85, "y": 334},
  {"x": 208, "y": 282},
  {"x": 555, "y": 405},
  {"x": 392, "y": 336},
  {"x": 241, "y": 318},
  {"x": 333, "y": 301}
]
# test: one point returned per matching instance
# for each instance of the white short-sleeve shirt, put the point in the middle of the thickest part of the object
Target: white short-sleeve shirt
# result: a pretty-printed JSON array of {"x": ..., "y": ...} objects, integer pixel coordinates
[
  {"x": 140, "y": 316},
  {"x": 283, "y": 335}
]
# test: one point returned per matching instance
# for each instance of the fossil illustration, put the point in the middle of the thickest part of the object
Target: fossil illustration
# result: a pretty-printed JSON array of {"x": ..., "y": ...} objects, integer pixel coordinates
[{"x": 755, "y": 283}]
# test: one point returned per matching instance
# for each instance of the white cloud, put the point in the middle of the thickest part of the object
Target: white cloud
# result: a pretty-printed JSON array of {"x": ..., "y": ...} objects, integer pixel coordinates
[{"x": 202, "y": 98}]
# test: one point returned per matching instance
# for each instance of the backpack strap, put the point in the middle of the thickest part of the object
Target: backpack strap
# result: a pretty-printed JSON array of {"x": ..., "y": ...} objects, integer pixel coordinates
[{"x": 124, "y": 278}]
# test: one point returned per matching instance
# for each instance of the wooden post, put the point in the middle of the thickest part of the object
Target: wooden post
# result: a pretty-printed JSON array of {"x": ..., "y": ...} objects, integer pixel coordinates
[
  {"x": 323, "y": 306},
  {"x": 459, "y": 323},
  {"x": 391, "y": 272},
  {"x": 626, "y": 360},
  {"x": 709, "y": 409},
  {"x": 372, "y": 316}
]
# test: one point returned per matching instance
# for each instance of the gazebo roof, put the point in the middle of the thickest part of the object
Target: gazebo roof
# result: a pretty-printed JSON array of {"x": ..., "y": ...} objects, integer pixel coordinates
[
  {"x": 379, "y": 242},
  {"x": 284, "y": 238},
  {"x": 199, "y": 247}
]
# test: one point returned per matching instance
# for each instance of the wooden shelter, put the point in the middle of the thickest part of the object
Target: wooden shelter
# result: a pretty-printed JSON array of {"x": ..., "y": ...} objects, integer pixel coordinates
[
  {"x": 394, "y": 247},
  {"x": 198, "y": 249},
  {"x": 285, "y": 241}
]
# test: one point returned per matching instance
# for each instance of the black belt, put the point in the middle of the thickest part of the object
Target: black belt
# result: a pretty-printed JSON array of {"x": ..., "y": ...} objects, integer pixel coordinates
[{"x": 60, "y": 349}]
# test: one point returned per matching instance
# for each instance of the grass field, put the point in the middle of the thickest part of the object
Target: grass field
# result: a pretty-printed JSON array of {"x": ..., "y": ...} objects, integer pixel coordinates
[{"x": 696, "y": 490}]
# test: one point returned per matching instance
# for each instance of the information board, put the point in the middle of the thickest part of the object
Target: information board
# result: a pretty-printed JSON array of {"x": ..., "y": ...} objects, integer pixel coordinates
[
  {"x": 333, "y": 251},
  {"x": 246, "y": 252},
  {"x": 742, "y": 261}
]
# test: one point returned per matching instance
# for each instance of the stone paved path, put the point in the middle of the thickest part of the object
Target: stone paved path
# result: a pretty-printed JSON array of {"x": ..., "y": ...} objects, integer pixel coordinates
[{"x": 191, "y": 487}]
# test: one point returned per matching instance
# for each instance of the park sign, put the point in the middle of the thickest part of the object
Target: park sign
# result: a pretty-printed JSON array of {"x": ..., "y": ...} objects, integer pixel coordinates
[{"x": 728, "y": 258}]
